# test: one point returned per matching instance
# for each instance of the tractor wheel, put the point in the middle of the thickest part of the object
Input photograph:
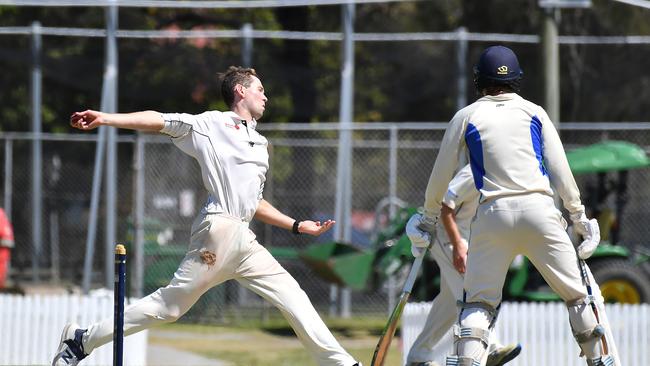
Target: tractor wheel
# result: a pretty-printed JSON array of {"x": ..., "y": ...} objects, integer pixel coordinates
[{"x": 621, "y": 281}]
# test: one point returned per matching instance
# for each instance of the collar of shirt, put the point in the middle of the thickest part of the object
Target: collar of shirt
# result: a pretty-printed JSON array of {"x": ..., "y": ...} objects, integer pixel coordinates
[
  {"x": 502, "y": 97},
  {"x": 238, "y": 120}
]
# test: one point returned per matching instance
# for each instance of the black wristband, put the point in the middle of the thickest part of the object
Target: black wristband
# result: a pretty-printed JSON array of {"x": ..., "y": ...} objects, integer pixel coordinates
[{"x": 294, "y": 228}]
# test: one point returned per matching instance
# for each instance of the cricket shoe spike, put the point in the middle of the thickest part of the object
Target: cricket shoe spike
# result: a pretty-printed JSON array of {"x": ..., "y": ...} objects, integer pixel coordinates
[
  {"x": 503, "y": 355},
  {"x": 71, "y": 349}
]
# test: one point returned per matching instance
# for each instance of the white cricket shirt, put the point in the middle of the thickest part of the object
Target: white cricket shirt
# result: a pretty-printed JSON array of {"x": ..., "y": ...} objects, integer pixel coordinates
[
  {"x": 232, "y": 155},
  {"x": 513, "y": 148}
]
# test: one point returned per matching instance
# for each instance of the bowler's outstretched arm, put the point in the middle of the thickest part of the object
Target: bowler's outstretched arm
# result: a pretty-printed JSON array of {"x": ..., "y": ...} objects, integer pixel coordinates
[{"x": 142, "y": 121}]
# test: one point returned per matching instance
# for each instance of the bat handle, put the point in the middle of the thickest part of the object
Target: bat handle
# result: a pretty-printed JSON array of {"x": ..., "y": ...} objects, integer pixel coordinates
[{"x": 415, "y": 268}]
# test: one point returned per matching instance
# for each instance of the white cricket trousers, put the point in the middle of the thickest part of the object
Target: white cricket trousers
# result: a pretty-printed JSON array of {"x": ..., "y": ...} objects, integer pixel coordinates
[
  {"x": 530, "y": 225},
  {"x": 444, "y": 312},
  {"x": 238, "y": 256}
]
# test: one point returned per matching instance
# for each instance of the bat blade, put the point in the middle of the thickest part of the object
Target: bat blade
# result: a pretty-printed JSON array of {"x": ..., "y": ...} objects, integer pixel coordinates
[{"x": 381, "y": 351}]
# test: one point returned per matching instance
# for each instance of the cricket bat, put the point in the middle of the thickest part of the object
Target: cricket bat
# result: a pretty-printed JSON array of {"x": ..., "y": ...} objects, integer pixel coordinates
[{"x": 379, "y": 357}]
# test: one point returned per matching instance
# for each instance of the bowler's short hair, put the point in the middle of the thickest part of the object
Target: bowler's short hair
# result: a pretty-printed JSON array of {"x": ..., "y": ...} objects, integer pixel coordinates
[{"x": 233, "y": 76}]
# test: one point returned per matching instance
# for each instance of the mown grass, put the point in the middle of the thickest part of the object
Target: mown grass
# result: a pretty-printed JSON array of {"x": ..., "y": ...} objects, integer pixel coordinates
[{"x": 272, "y": 343}]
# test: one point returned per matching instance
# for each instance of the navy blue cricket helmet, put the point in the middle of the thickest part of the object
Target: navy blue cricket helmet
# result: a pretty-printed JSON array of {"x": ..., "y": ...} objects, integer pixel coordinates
[{"x": 498, "y": 65}]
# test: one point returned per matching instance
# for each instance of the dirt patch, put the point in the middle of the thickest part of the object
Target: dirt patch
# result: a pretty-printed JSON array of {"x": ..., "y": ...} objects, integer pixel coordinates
[{"x": 208, "y": 258}]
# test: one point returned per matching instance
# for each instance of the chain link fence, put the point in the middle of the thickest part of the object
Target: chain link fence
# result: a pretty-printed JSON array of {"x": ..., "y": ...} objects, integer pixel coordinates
[
  {"x": 420, "y": 76},
  {"x": 300, "y": 182}
]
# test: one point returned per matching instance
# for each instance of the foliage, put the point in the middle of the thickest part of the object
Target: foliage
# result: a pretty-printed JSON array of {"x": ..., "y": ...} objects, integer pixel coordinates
[{"x": 395, "y": 81}]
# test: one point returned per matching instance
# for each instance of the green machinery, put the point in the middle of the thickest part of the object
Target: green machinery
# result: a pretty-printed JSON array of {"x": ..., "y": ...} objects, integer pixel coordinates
[{"x": 618, "y": 270}]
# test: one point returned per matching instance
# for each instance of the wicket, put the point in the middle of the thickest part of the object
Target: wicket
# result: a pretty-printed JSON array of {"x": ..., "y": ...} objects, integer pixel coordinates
[{"x": 118, "y": 299}]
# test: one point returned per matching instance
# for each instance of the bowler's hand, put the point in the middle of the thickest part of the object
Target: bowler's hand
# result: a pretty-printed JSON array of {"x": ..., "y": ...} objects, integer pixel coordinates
[
  {"x": 86, "y": 120},
  {"x": 314, "y": 228}
]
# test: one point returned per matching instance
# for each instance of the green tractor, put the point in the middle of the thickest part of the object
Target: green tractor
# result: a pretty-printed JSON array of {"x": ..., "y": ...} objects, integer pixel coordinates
[{"x": 623, "y": 276}]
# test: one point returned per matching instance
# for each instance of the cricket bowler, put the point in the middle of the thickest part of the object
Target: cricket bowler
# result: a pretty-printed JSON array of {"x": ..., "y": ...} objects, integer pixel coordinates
[{"x": 233, "y": 158}]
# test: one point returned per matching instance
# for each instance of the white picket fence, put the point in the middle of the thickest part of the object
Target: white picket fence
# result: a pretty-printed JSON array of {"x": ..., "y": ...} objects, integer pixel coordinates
[
  {"x": 30, "y": 329},
  {"x": 543, "y": 330}
]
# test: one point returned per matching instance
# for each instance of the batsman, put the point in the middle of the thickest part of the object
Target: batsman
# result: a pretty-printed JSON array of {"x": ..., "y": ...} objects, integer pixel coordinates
[
  {"x": 233, "y": 158},
  {"x": 449, "y": 250},
  {"x": 518, "y": 164}
]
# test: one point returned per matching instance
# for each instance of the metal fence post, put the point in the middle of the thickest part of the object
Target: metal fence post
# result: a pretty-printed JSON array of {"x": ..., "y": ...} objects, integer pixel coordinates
[
  {"x": 461, "y": 65},
  {"x": 94, "y": 207},
  {"x": 392, "y": 170},
  {"x": 392, "y": 196},
  {"x": 8, "y": 178},
  {"x": 110, "y": 105},
  {"x": 37, "y": 151},
  {"x": 247, "y": 44},
  {"x": 551, "y": 53},
  {"x": 138, "y": 217},
  {"x": 343, "y": 231}
]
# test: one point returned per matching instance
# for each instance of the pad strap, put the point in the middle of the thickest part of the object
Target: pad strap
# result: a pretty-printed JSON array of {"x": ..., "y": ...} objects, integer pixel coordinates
[
  {"x": 461, "y": 361},
  {"x": 493, "y": 312},
  {"x": 482, "y": 335},
  {"x": 587, "y": 300},
  {"x": 601, "y": 361},
  {"x": 481, "y": 305}
]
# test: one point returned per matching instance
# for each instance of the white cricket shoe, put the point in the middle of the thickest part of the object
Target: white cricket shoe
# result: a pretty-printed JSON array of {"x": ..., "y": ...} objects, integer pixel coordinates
[
  {"x": 503, "y": 355},
  {"x": 427, "y": 363},
  {"x": 70, "y": 350}
]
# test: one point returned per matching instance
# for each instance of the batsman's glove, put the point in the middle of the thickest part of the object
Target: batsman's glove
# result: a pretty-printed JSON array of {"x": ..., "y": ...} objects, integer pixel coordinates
[
  {"x": 421, "y": 230},
  {"x": 589, "y": 231}
]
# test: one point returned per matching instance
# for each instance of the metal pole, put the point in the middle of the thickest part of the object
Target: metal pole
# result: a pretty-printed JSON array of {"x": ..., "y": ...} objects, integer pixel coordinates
[
  {"x": 247, "y": 61},
  {"x": 334, "y": 299},
  {"x": 392, "y": 171},
  {"x": 347, "y": 115},
  {"x": 37, "y": 162},
  {"x": 461, "y": 64},
  {"x": 392, "y": 193},
  {"x": 247, "y": 45},
  {"x": 139, "y": 194},
  {"x": 8, "y": 191},
  {"x": 94, "y": 207},
  {"x": 343, "y": 231},
  {"x": 551, "y": 52},
  {"x": 55, "y": 270},
  {"x": 108, "y": 90},
  {"x": 110, "y": 106}
]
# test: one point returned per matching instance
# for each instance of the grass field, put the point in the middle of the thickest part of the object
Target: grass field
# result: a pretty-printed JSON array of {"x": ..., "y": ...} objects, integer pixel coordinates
[{"x": 273, "y": 344}]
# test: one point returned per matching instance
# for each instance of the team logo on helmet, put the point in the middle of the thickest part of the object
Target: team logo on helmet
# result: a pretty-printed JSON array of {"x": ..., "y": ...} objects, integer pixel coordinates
[{"x": 502, "y": 70}]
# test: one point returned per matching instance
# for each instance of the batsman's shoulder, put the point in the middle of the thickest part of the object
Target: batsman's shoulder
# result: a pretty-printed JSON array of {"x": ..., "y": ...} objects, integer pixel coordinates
[
  {"x": 464, "y": 114},
  {"x": 533, "y": 109},
  {"x": 467, "y": 110}
]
